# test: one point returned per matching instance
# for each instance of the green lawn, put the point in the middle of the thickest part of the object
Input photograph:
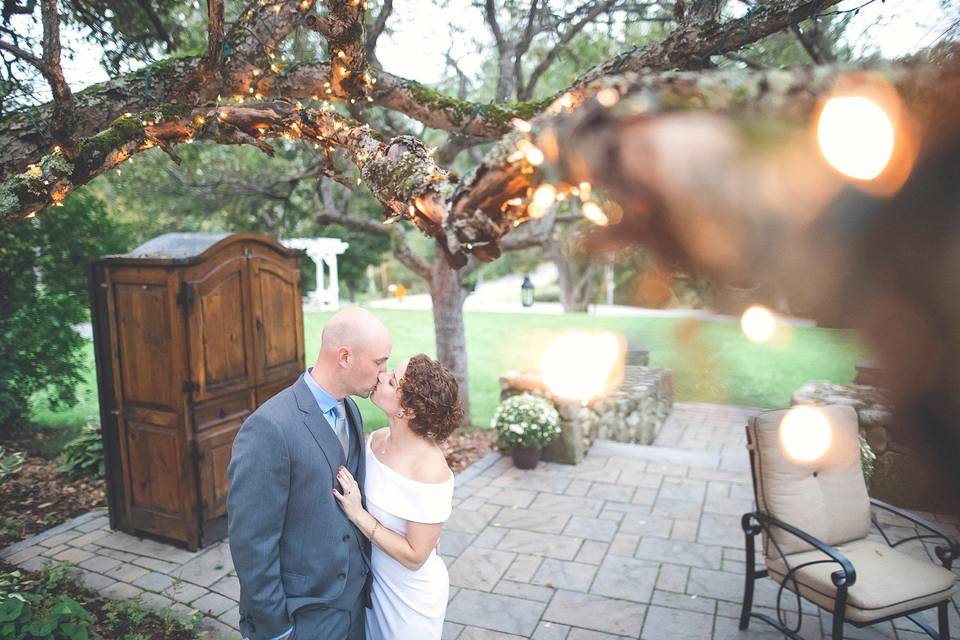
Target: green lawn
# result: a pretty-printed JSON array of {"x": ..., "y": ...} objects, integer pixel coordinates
[{"x": 712, "y": 361}]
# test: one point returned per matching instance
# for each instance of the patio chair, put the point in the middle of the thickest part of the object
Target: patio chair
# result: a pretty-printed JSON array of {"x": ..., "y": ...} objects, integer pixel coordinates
[{"x": 814, "y": 519}]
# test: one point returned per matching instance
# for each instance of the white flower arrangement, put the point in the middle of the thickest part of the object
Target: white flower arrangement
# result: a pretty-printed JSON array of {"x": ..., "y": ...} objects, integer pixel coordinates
[{"x": 526, "y": 420}]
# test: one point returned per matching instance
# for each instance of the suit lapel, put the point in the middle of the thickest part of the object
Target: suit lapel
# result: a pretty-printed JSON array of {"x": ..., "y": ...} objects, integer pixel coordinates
[{"x": 318, "y": 426}]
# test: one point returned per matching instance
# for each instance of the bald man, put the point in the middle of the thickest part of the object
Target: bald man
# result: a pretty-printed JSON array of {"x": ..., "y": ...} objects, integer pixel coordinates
[{"x": 303, "y": 567}]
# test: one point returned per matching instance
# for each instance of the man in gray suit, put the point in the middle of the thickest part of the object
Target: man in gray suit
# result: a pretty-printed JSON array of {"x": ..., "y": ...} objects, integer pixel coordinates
[{"x": 304, "y": 569}]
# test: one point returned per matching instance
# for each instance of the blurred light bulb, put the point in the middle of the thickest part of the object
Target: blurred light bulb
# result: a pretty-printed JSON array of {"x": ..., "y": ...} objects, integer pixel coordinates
[
  {"x": 805, "y": 433},
  {"x": 758, "y": 323},
  {"x": 594, "y": 214},
  {"x": 577, "y": 365},
  {"x": 544, "y": 196},
  {"x": 856, "y": 136}
]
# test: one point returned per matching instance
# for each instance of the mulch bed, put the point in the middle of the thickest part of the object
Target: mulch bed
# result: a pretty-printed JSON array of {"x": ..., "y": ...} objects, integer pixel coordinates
[
  {"x": 37, "y": 498},
  {"x": 112, "y": 619}
]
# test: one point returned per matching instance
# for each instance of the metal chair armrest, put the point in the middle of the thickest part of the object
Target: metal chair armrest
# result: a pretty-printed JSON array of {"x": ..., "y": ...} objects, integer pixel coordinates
[
  {"x": 947, "y": 553},
  {"x": 847, "y": 574}
]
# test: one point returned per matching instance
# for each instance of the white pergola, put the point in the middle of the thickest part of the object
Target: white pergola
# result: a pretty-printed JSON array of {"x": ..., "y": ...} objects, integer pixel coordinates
[{"x": 323, "y": 252}]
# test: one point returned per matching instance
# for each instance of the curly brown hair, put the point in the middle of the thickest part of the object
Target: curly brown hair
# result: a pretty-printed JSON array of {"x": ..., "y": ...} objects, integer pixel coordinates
[{"x": 432, "y": 394}]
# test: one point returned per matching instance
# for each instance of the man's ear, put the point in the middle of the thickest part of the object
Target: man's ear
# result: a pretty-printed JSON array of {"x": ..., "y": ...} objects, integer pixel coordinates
[{"x": 343, "y": 357}]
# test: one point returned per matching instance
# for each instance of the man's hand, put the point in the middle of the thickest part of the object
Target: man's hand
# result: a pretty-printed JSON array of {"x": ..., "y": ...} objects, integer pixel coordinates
[{"x": 350, "y": 499}]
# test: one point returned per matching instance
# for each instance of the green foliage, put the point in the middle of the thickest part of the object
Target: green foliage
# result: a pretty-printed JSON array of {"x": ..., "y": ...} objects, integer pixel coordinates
[
  {"x": 10, "y": 464},
  {"x": 43, "y": 293},
  {"x": 526, "y": 420},
  {"x": 868, "y": 460},
  {"x": 84, "y": 454},
  {"x": 39, "y": 613}
]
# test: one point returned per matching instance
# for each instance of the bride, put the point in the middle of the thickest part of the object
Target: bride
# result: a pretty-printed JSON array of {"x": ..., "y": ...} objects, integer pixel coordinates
[{"x": 408, "y": 493}]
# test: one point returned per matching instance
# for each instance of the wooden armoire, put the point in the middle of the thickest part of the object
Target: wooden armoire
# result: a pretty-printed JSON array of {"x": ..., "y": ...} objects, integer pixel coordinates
[{"x": 192, "y": 332}]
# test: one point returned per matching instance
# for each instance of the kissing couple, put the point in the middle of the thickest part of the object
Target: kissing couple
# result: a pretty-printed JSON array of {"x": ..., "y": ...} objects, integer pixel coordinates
[{"x": 334, "y": 535}]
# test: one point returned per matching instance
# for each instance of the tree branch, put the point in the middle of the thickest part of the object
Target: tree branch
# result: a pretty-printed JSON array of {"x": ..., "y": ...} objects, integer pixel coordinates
[
  {"x": 407, "y": 256},
  {"x": 366, "y": 225},
  {"x": 64, "y": 106},
  {"x": 376, "y": 30},
  {"x": 342, "y": 27}
]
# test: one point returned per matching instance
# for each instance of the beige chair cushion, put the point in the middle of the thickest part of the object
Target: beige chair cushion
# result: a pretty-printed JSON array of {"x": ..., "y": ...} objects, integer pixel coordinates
[
  {"x": 889, "y": 582},
  {"x": 826, "y": 498}
]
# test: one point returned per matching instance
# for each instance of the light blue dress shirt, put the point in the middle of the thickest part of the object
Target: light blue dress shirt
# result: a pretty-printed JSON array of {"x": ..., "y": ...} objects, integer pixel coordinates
[{"x": 328, "y": 406}]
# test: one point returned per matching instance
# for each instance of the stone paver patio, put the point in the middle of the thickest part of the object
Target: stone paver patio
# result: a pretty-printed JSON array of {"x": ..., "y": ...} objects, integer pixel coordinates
[{"x": 635, "y": 542}]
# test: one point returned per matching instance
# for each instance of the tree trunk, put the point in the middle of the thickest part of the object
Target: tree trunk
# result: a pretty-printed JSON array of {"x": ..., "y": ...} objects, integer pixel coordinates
[
  {"x": 447, "y": 296},
  {"x": 577, "y": 285}
]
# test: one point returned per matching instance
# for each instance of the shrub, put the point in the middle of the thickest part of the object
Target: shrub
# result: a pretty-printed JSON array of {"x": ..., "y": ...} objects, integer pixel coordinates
[
  {"x": 526, "y": 420},
  {"x": 84, "y": 454},
  {"x": 10, "y": 464},
  {"x": 42, "y": 296},
  {"x": 868, "y": 460}
]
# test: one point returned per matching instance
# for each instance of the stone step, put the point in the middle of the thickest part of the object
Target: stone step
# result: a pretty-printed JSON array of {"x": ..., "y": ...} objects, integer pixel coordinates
[{"x": 654, "y": 453}]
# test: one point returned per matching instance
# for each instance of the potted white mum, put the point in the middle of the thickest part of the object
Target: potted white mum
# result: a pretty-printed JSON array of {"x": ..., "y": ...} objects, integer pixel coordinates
[{"x": 525, "y": 423}]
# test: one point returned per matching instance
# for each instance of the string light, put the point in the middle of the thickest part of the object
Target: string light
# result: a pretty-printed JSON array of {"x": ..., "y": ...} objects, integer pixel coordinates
[
  {"x": 595, "y": 214},
  {"x": 544, "y": 196}
]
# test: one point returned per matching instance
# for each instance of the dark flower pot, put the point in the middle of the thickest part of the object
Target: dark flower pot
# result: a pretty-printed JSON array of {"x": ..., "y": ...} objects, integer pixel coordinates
[{"x": 525, "y": 457}]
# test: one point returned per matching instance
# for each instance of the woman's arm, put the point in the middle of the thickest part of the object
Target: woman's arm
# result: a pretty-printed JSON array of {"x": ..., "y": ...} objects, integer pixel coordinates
[{"x": 410, "y": 551}]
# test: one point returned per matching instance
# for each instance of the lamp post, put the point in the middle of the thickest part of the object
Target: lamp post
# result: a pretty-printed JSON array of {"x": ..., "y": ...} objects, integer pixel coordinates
[{"x": 526, "y": 291}]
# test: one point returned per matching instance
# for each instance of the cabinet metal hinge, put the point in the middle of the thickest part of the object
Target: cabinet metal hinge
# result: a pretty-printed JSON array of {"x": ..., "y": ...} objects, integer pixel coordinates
[{"x": 186, "y": 295}]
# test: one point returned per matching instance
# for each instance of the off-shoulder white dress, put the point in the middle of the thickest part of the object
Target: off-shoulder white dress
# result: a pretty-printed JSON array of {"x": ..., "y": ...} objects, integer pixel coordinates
[{"x": 407, "y": 605}]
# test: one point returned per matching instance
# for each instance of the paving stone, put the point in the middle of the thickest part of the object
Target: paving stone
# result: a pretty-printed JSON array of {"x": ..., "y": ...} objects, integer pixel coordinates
[
  {"x": 567, "y": 504},
  {"x": 88, "y": 538},
  {"x": 470, "y": 521},
  {"x": 729, "y": 586},
  {"x": 454, "y": 542},
  {"x": 645, "y": 496},
  {"x": 153, "y": 581},
  {"x": 646, "y": 525},
  {"x": 558, "y": 574},
  {"x": 524, "y": 590},
  {"x": 490, "y": 537},
  {"x": 616, "y": 492},
  {"x": 607, "y": 474},
  {"x": 684, "y": 601},
  {"x": 33, "y": 564},
  {"x": 123, "y": 556},
  {"x": 231, "y": 617},
  {"x": 476, "y": 633},
  {"x": 546, "y": 544},
  {"x": 550, "y": 631},
  {"x": 592, "y": 552},
  {"x": 25, "y": 554},
  {"x": 641, "y": 479},
  {"x": 208, "y": 567},
  {"x": 578, "y": 488},
  {"x": 217, "y": 629},
  {"x": 589, "y": 634},
  {"x": 531, "y": 520},
  {"x": 543, "y": 482},
  {"x": 100, "y": 564},
  {"x": 514, "y": 498},
  {"x": 73, "y": 556},
  {"x": 720, "y": 529},
  {"x": 673, "y": 578},
  {"x": 690, "y": 554},
  {"x": 685, "y": 489},
  {"x": 626, "y": 578},
  {"x": 98, "y": 523},
  {"x": 472, "y": 503},
  {"x": 450, "y": 630},
  {"x": 155, "y": 601},
  {"x": 153, "y": 564},
  {"x": 624, "y": 544},
  {"x": 596, "y": 612},
  {"x": 675, "y": 624},
  {"x": 479, "y": 568},
  {"x": 495, "y": 612},
  {"x": 94, "y": 581},
  {"x": 228, "y": 586},
  {"x": 127, "y": 572},
  {"x": 591, "y": 528},
  {"x": 625, "y": 507},
  {"x": 672, "y": 508},
  {"x": 213, "y": 604},
  {"x": 60, "y": 539},
  {"x": 611, "y": 515},
  {"x": 487, "y": 491},
  {"x": 184, "y": 592},
  {"x": 120, "y": 591},
  {"x": 523, "y": 568}
]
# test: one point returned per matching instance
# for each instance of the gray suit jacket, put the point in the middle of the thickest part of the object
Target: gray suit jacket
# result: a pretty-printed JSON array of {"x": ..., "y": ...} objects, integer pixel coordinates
[{"x": 291, "y": 543}]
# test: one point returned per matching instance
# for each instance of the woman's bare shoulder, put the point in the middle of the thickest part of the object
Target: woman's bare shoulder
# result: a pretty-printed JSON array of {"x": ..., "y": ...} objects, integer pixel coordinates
[{"x": 433, "y": 467}]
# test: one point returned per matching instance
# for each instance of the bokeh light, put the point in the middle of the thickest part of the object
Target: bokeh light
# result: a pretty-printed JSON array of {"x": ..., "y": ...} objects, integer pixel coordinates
[
  {"x": 758, "y": 323},
  {"x": 856, "y": 136},
  {"x": 805, "y": 433},
  {"x": 578, "y": 365}
]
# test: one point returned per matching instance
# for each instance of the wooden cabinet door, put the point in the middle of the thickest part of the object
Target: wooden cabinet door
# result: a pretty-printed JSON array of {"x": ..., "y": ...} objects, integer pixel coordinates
[
  {"x": 215, "y": 426},
  {"x": 145, "y": 328},
  {"x": 278, "y": 318},
  {"x": 219, "y": 334}
]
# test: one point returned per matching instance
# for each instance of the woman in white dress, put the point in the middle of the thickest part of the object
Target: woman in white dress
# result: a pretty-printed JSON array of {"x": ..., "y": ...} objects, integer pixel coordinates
[{"x": 409, "y": 492}]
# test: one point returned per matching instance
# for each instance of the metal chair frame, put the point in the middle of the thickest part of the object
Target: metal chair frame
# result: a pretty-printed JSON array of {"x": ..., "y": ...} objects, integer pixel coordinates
[{"x": 843, "y": 578}]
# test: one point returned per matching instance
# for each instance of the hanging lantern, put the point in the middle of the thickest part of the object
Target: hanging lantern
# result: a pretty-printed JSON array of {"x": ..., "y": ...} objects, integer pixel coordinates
[{"x": 526, "y": 291}]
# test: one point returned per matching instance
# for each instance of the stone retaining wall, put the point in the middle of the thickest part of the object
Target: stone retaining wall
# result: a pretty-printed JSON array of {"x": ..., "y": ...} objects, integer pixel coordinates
[
  {"x": 905, "y": 474},
  {"x": 633, "y": 413}
]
